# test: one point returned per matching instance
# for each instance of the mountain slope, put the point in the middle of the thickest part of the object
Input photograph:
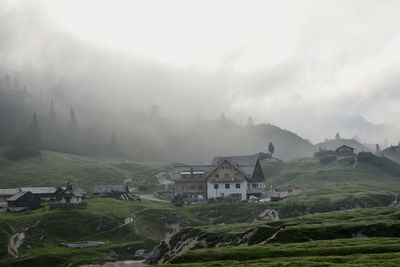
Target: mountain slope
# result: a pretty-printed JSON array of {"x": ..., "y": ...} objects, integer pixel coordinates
[
  {"x": 330, "y": 180},
  {"x": 392, "y": 152},
  {"x": 288, "y": 145},
  {"x": 55, "y": 169}
]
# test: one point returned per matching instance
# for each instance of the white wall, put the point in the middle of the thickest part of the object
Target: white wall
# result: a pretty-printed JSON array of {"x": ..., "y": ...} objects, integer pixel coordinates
[
  {"x": 74, "y": 200},
  {"x": 212, "y": 193}
]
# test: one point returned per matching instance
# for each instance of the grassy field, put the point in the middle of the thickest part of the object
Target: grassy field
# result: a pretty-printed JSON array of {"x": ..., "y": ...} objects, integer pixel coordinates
[
  {"x": 322, "y": 226},
  {"x": 99, "y": 220},
  {"x": 356, "y": 252},
  {"x": 346, "y": 237},
  {"x": 55, "y": 169}
]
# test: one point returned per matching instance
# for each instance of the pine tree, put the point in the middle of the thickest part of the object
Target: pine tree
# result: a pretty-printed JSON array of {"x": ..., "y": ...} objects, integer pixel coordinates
[
  {"x": 113, "y": 148},
  {"x": 337, "y": 136},
  {"x": 250, "y": 122},
  {"x": 378, "y": 149},
  {"x": 271, "y": 148},
  {"x": 73, "y": 124},
  {"x": 52, "y": 112},
  {"x": 35, "y": 133}
]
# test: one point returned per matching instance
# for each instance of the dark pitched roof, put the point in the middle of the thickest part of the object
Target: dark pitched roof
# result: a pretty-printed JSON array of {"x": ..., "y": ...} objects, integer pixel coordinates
[
  {"x": 39, "y": 190},
  {"x": 74, "y": 191},
  {"x": 191, "y": 173},
  {"x": 246, "y": 163},
  {"x": 18, "y": 196},
  {"x": 235, "y": 166},
  {"x": 344, "y": 146},
  {"x": 9, "y": 191}
]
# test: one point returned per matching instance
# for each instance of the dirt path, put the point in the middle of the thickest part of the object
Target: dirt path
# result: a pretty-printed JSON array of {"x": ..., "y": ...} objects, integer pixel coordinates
[
  {"x": 17, "y": 240},
  {"x": 152, "y": 198},
  {"x": 119, "y": 264}
]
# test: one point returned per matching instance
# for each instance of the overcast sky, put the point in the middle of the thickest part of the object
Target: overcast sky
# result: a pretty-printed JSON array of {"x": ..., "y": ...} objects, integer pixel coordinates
[{"x": 303, "y": 65}]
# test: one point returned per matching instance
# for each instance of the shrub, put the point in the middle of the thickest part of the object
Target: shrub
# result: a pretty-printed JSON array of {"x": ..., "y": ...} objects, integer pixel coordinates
[{"x": 178, "y": 201}]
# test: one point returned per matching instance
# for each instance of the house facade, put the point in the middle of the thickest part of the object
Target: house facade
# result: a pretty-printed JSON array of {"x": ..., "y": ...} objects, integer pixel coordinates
[
  {"x": 237, "y": 177},
  {"x": 70, "y": 195},
  {"x": 227, "y": 180}
]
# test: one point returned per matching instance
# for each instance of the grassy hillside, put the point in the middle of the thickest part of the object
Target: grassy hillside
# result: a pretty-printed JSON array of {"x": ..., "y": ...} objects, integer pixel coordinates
[
  {"x": 347, "y": 237},
  {"x": 54, "y": 169},
  {"x": 330, "y": 180},
  {"x": 392, "y": 152},
  {"x": 333, "y": 144},
  {"x": 100, "y": 220}
]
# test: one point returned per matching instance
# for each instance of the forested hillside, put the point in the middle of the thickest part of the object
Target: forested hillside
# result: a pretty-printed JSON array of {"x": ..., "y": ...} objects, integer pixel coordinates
[{"x": 37, "y": 115}]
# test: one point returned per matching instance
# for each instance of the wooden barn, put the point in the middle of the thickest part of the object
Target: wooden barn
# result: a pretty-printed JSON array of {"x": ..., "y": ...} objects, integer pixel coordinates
[
  {"x": 45, "y": 193},
  {"x": 6, "y": 194},
  {"x": 23, "y": 201}
]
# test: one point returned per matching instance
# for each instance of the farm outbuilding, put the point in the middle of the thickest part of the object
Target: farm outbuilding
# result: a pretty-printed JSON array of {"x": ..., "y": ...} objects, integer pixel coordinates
[{"x": 23, "y": 201}]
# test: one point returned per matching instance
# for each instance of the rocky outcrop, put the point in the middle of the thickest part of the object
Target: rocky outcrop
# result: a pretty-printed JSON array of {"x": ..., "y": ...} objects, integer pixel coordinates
[{"x": 269, "y": 215}]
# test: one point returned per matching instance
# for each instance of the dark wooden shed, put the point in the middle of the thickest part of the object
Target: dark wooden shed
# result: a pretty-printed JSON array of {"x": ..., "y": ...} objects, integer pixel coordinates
[{"x": 23, "y": 201}]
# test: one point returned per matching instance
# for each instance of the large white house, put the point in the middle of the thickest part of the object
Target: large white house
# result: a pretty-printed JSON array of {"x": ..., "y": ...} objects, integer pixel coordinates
[{"x": 236, "y": 177}]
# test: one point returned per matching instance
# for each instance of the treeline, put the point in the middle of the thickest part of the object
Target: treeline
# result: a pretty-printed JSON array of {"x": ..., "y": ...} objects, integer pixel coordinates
[
  {"x": 60, "y": 119},
  {"x": 29, "y": 124}
]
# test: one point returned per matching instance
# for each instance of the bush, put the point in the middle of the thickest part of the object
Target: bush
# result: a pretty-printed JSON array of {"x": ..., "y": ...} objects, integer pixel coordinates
[{"x": 178, "y": 201}]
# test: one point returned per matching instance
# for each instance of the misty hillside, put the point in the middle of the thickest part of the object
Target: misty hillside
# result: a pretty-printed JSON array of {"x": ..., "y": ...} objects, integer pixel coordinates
[
  {"x": 57, "y": 121},
  {"x": 392, "y": 152},
  {"x": 288, "y": 144},
  {"x": 333, "y": 144}
]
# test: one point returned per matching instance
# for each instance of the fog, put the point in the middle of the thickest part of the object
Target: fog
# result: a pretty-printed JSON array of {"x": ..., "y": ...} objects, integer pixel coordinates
[{"x": 312, "y": 67}]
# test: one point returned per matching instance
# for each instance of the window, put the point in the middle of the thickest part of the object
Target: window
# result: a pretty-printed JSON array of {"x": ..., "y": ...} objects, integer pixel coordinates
[
  {"x": 192, "y": 187},
  {"x": 227, "y": 186},
  {"x": 222, "y": 167},
  {"x": 227, "y": 176},
  {"x": 237, "y": 186},
  {"x": 217, "y": 175},
  {"x": 215, "y": 186},
  {"x": 221, "y": 195},
  {"x": 253, "y": 185},
  {"x": 68, "y": 199}
]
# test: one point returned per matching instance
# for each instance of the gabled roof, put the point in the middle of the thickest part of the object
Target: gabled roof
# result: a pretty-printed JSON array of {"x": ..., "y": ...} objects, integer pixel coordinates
[
  {"x": 236, "y": 167},
  {"x": 246, "y": 163},
  {"x": 9, "y": 191},
  {"x": 344, "y": 146},
  {"x": 39, "y": 190},
  {"x": 195, "y": 173},
  {"x": 74, "y": 191},
  {"x": 18, "y": 196}
]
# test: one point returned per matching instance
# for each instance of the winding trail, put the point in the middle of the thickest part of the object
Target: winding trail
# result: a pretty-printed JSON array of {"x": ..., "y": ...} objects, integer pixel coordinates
[
  {"x": 152, "y": 198},
  {"x": 17, "y": 240}
]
